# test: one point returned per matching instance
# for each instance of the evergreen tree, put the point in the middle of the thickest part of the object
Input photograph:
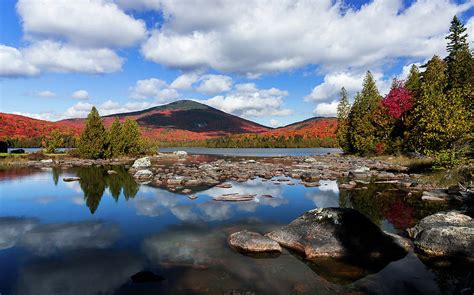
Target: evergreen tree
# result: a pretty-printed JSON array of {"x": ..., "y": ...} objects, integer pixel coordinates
[
  {"x": 54, "y": 141},
  {"x": 413, "y": 82},
  {"x": 441, "y": 119},
  {"x": 116, "y": 139},
  {"x": 460, "y": 66},
  {"x": 363, "y": 132},
  {"x": 343, "y": 110},
  {"x": 131, "y": 137},
  {"x": 93, "y": 141}
]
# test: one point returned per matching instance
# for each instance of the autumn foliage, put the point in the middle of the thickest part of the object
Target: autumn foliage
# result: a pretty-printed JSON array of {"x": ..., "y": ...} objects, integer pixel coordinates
[{"x": 398, "y": 101}]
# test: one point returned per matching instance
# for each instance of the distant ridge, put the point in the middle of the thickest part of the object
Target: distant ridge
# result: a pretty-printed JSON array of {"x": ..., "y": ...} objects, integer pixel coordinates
[{"x": 177, "y": 121}]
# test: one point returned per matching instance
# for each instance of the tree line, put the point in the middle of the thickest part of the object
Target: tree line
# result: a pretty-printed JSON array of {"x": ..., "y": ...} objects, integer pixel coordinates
[{"x": 429, "y": 113}]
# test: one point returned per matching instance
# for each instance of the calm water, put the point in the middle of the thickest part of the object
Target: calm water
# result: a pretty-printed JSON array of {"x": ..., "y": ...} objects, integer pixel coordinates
[
  {"x": 91, "y": 236},
  {"x": 256, "y": 152}
]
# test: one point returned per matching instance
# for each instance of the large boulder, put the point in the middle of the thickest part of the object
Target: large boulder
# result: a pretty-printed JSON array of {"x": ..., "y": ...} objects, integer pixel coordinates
[
  {"x": 447, "y": 234},
  {"x": 338, "y": 233},
  {"x": 252, "y": 242},
  {"x": 142, "y": 163}
]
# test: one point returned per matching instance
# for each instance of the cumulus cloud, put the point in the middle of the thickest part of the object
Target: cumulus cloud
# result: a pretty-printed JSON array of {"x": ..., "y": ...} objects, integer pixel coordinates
[
  {"x": 79, "y": 22},
  {"x": 153, "y": 88},
  {"x": 58, "y": 57},
  {"x": 248, "y": 101},
  {"x": 49, "y": 116},
  {"x": 14, "y": 63},
  {"x": 326, "y": 109},
  {"x": 213, "y": 84},
  {"x": 80, "y": 94},
  {"x": 185, "y": 81},
  {"x": 79, "y": 110},
  {"x": 269, "y": 36},
  {"x": 275, "y": 123}
]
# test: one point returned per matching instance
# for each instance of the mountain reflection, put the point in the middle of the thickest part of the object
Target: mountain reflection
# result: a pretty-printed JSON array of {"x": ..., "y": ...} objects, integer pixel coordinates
[{"x": 95, "y": 180}]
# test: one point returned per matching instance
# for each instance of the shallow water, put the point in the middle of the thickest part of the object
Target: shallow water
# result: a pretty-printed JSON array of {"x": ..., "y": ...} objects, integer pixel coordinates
[
  {"x": 256, "y": 152},
  {"x": 91, "y": 236}
]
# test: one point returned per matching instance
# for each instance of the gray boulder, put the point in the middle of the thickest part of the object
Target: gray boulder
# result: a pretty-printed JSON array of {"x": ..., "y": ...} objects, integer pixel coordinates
[
  {"x": 448, "y": 234},
  {"x": 337, "y": 233},
  {"x": 247, "y": 241},
  {"x": 143, "y": 174},
  {"x": 142, "y": 163}
]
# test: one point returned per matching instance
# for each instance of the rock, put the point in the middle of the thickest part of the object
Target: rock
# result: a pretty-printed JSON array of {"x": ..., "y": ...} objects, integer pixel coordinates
[
  {"x": 436, "y": 195},
  {"x": 337, "y": 232},
  {"x": 224, "y": 185},
  {"x": 310, "y": 177},
  {"x": 247, "y": 241},
  {"x": 17, "y": 151},
  {"x": 146, "y": 277},
  {"x": 192, "y": 197},
  {"x": 448, "y": 234},
  {"x": 143, "y": 174},
  {"x": 110, "y": 172},
  {"x": 186, "y": 191},
  {"x": 174, "y": 181},
  {"x": 235, "y": 197},
  {"x": 180, "y": 153},
  {"x": 193, "y": 182},
  {"x": 310, "y": 160},
  {"x": 310, "y": 184},
  {"x": 47, "y": 161},
  {"x": 142, "y": 163},
  {"x": 69, "y": 179}
]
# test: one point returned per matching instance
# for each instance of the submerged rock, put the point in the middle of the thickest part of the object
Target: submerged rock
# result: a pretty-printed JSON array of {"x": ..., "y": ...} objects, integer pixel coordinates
[
  {"x": 142, "y": 163},
  {"x": 247, "y": 241},
  {"x": 449, "y": 234},
  {"x": 337, "y": 232},
  {"x": 235, "y": 197}
]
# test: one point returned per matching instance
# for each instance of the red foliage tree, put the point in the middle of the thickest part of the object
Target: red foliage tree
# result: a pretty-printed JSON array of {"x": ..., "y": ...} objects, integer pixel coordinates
[{"x": 398, "y": 100}]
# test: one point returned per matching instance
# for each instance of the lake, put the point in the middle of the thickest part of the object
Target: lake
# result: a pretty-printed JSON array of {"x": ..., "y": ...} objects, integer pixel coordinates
[
  {"x": 241, "y": 152},
  {"x": 91, "y": 236}
]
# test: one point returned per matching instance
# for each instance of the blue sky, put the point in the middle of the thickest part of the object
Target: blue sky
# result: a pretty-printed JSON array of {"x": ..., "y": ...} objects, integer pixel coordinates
[{"x": 274, "y": 62}]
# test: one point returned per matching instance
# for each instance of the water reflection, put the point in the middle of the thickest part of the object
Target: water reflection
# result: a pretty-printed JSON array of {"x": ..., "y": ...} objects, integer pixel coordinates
[{"x": 95, "y": 180}]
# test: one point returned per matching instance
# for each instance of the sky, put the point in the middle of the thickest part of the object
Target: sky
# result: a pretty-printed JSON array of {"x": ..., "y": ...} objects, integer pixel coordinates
[{"x": 271, "y": 61}]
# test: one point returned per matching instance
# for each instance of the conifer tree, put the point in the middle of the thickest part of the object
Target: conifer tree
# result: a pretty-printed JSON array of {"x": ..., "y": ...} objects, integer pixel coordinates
[
  {"x": 93, "y": 141},
  {"x": 441, "y": 119},
  {"x": 116, "y": 139},
  {"x": 131, "y": 137},
  {"x": 460, "y": 66},
  {"x": 363, "y": 133},
  {"x": 343, "y": 110},
  {"x": 413, "y": 81}
]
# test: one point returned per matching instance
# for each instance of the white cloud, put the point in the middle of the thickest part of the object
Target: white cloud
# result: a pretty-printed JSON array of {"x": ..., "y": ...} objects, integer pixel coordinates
[
  {"x": 185, "y": 81},
  {"x": 139, "y": 4},
  {"x": 82, "y": 22},
  {"x": 79, "y": 110},
  {"x": 80, "y": 94},
  {"x": 268, "y": 36},
  {"x": 248, "y": 101},
  {"x": 153, "y": 88},
  {"x": 275, "y": 123},
  {"x": 48, "y": 116},
  {"x": 213, "y": 84},
  {"x": 45, "y": 93},
  {"x": 470, "y": 31},
  {"x": 14, "y": 64},
  {"x": 57, "y": 57},
  {"x": 326, "y": 109}
]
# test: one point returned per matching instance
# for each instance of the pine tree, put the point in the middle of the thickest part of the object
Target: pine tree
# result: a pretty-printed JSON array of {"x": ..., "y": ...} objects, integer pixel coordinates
[
  {"x": 131, "y": 137},
  {"x": 93, "y": 141},
  {"x": 441, "y": 119},
  {"x": 343, "y": 110},
  {"x": 459, "y": 61},
  {"x": 413, "y": 81},
  {"x": 362, "y": 129},
  {"x": 116, "y": 139},
  {"x": 54, "y": 141}
]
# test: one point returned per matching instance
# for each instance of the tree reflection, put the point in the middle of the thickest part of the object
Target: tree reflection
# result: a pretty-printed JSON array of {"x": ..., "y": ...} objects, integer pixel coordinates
[
  {"x": 56, "y": 173},
  {"x": 95, "y": 180}
]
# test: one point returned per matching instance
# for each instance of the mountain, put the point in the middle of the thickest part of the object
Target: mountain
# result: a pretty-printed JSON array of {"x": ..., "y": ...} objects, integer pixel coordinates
[
  {"x": 320, "y": 127},
  {"x": 177, "y": 121}
]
